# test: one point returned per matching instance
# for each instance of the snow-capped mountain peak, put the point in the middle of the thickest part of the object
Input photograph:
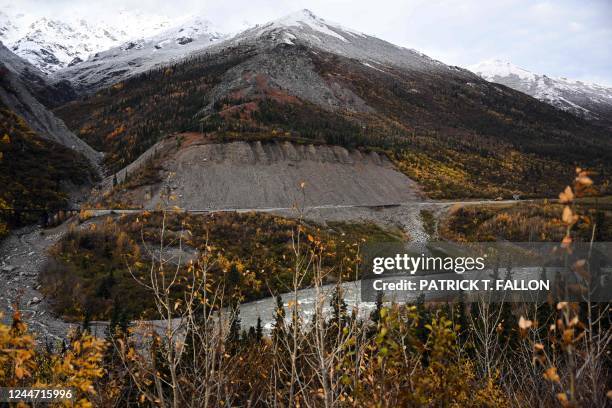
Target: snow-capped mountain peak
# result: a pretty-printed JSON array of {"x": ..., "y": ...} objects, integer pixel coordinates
[
  {"x": 492, "y": 68},
  {"x": 587, "y": 100},
  {"x": 305, "y": 20},
  {"x": 306, "y": 28},
  {"x": 52, "y": 44}
]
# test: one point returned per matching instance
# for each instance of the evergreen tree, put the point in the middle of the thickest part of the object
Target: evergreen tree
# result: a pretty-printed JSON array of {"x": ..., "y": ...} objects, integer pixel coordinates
[
  {"x": 461, "y": 319},
  {"x": 600, "y": 227},
  {"x": 251, "y": 336},
  {"x": 423, "y": 317},
  {"x": 375, "y": 315},
  {"x": 114, "y": 320},
  {"x": 339, "y": 312},
  {"x": 258, "y": 330},
  {"x": 85, "y": 325},
  {"x": 278, "y": 328},
  {"x": 233, "y": 335}
]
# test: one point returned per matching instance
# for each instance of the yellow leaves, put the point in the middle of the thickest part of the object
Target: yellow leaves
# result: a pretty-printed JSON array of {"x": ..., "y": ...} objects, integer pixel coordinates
[
  {"x": 567, "y": 196},
  {"x": 116, "y": 132},
  {"x": 19, "y": 372},
  {"x": 562, "y": 398},
  {"x": 525, "y": 324},
  {"x": 6, "y": 139},
  {"x": 584, "y": 180},
  {"x": 568, "y": 216},
  {"x": 551, "y": 374},
  {"x": 568, "y": 336}
]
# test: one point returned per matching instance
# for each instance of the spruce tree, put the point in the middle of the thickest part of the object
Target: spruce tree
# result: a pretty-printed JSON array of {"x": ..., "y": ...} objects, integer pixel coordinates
[
  {"x": 375, "y": 315},
  {"x": 233, "y": 336},
  {"x": 278, "y": 327},
  {"x": 339, "y": 312},
  {"x": 85, "y": 325},
  {"x": 258, "y": 330}
]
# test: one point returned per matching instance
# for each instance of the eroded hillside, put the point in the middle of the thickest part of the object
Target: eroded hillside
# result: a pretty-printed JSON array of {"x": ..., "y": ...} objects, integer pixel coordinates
[{"x": 202, "y": 174}]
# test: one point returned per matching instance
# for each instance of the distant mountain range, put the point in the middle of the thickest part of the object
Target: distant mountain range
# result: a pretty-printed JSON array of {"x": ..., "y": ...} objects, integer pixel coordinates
[
  {"x": 93, "y": 55},
  {"x": 52, "y": 44},
  {"x": 590, "y": 101}
]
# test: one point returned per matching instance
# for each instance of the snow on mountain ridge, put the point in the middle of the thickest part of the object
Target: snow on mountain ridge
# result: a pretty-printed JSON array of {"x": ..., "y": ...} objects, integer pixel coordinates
[
  {"x": 305, "y": 27},
  {"x": 306, "y": 17},
  {"x": 491, "y": 68},
  {"x": 588, "y": 100},
  {"x": 175, "y": 42},
  {"x": 52, "y": 44}
]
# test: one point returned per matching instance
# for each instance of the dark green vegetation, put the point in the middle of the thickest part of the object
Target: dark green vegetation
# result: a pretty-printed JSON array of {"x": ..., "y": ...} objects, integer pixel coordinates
[
  {"x": 454, "y": 133},
  {"x": 429, "y": 223},
  {"x": 527, "y": 222},
  {"x": 34, "y": 171},
  {"x": 250, "y": 254},
  {"x": 129, "y": 117},
  {"x": 463, "y": 137}
]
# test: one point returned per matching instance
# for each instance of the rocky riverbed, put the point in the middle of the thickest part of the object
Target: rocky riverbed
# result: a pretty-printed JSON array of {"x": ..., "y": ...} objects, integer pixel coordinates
[{"x": 22, "y": 256}]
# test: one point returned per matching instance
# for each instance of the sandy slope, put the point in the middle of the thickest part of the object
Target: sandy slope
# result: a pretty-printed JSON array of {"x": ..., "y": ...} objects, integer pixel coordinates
[{"x": 268, "y": 175}]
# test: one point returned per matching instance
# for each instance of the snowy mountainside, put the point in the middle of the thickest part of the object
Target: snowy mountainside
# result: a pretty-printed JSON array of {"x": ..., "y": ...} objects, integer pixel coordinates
[
  {"x": 587, "y": 100},
  {"x": 51, "y": 44},
  {"x": 305, "y": 27},
  {"x": 140, "y": 55},
  {"x": 198, "y": 36}
]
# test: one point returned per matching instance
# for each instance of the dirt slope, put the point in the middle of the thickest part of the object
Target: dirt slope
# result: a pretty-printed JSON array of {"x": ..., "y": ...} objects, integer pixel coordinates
[{"x": 265, "y": 175}]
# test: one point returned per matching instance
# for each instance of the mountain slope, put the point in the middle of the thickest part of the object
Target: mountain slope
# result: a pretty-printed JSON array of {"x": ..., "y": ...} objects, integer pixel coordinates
[
  {"x": 302, "y": 78},
  {"x": 19, "y": 83},
  {"x": 36, "y": 173},
  {"x": 590, "y": 101},
  {"x": 43, "y": 166}
]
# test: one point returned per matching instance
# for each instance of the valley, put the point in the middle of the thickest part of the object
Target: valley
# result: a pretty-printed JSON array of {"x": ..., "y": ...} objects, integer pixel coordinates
[
  {"x": 275, "y": 122},
  {"x": 186, "y": 213}
]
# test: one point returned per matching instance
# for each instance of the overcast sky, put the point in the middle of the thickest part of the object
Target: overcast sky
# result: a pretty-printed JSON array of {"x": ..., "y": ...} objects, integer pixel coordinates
[{"x": 570, "y": 38}]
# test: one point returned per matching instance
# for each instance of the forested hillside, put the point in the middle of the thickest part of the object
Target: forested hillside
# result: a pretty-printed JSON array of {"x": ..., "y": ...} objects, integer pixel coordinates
[
  {"x": 457, "y": 135},
  {"x": 34, "y": 172},
  {"x": 129, "y": 117}
]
